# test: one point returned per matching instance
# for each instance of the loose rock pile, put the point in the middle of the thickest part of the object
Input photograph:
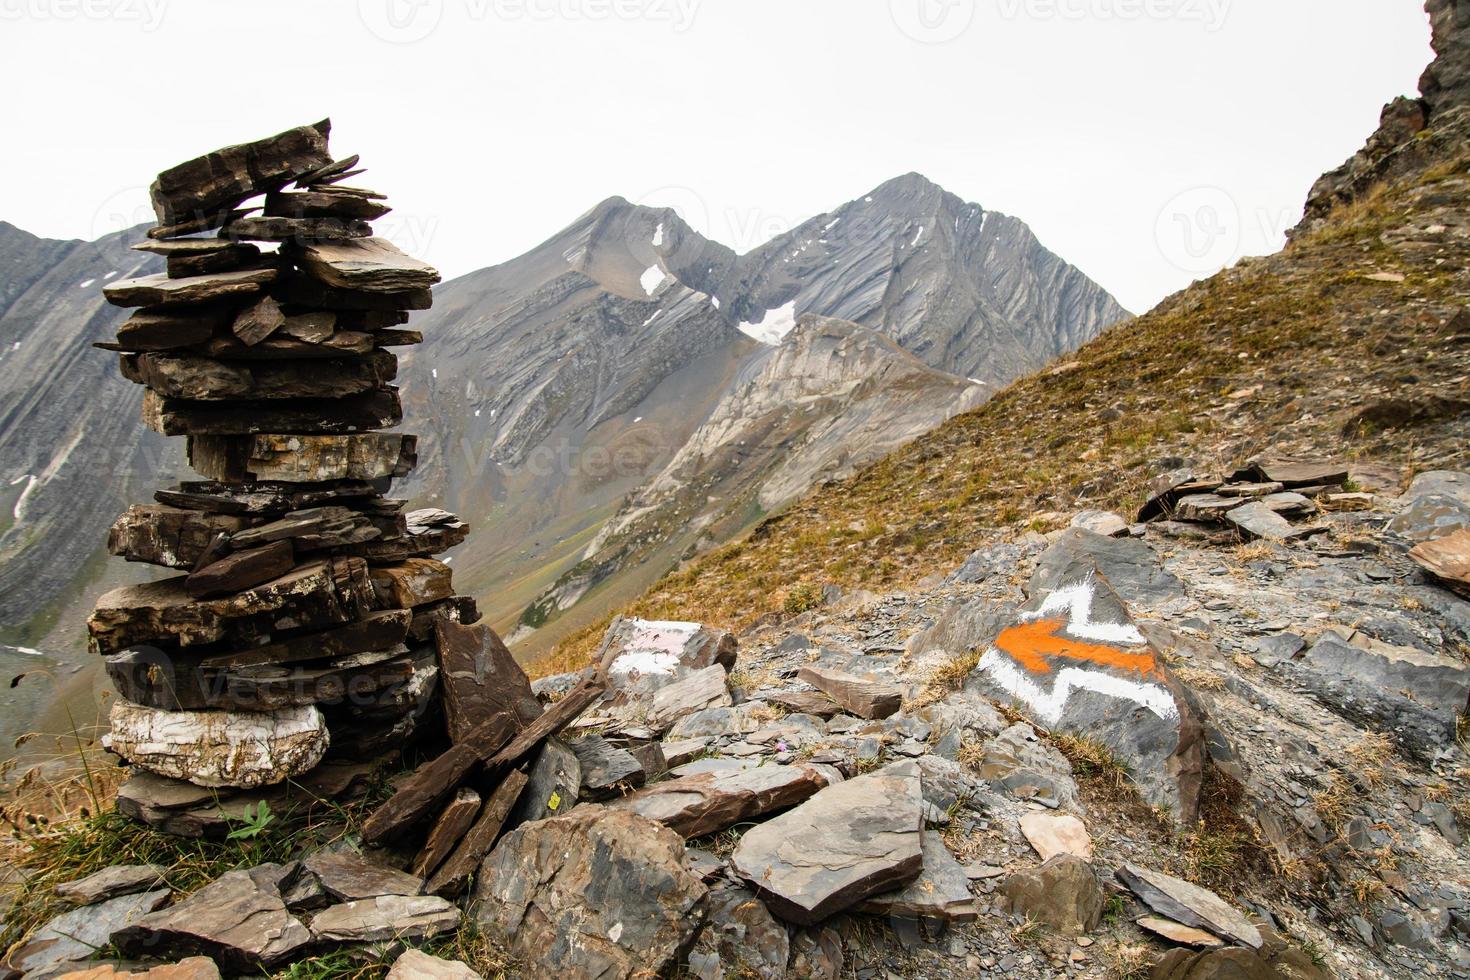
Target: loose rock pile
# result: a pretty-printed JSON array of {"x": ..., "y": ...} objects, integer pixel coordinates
[{"x": 300, "y": 627}]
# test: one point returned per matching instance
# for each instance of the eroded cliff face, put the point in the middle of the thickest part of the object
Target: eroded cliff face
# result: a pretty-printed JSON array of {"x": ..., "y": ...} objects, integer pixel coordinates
[{"x": 1412, "y": 133}]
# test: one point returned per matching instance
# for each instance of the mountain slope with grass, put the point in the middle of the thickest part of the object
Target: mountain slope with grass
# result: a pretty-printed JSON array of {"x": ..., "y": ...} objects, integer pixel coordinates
[{"x": 1354, "y": 340}]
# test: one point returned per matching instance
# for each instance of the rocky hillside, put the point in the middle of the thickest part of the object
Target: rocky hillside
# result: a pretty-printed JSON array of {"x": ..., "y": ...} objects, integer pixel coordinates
[
  {"x": 562, "y": 389},
  {"x": 71, "y": 448}
]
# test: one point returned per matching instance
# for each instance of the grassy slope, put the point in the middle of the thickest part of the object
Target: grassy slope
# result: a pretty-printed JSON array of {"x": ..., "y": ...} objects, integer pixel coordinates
[{"x": 1288, "y": 353}]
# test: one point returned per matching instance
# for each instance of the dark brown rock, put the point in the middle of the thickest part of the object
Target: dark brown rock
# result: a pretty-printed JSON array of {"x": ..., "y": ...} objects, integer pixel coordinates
[
  {"x": 457, "y": 817},
  {"x": 456, "y": 870},
  {"x": 205, "y": 379},
  {"x": 348, "y": 877},
  {"x": 307, "y": 416},
  {"x": 372, "y": 265},
  {"x": 264, "y": 229},
  {"x": 415, "y": 582},
  {"x": 236, "y": 256},
  {"x": 239, "y": 920},
  {"x": 398, "y": 918},
  {"x": 160, "y": 290},
  {"x": 316, "y": 596},
  {"x": 323, "y": 204},
  {"x": 147, "y": 330},
  {"x": 241, "y": 570},
  {"x": 696, "y": 806},
  {"x": 382, "y": 630},
  {"x": 223, "y": 178},
  {"x": 168, "y": 536},
  {"x": 1188, "y": 903},
  {"x": 304, "y": 458},
  {"x": 480, "y": 678},
  {"x": 258, "y": 321},
  {"x": 300, "y": 289},
  {"x": 433, "y": 782}
]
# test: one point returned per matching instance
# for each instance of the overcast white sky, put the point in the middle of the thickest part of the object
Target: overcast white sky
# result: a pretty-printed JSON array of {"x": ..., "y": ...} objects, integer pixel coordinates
[{"x": 1147, "y": 141}]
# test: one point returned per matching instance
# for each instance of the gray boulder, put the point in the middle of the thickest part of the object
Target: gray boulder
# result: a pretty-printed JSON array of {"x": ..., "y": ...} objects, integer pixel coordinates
[
  {"x": 855, "y": 839},
  {"x": 741, "y": 938},
  {"x": 1062, "y": 894},
  {"x": 1129, "y": 565},
  {"x": 1076, "y": 662},
  {"x": 121, "y": 879},
  {"x": 595, "y": 893}
]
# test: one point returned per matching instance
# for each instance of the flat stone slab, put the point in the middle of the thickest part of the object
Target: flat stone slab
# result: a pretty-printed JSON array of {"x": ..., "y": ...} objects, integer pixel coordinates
[
  {"x": 415, "y": 964},
  {"x": 1415, "y": 696},
  {"x": 386, "y": 918},
  {"x": 240, "y": 920},
  {"x": 242, "y": 750},
  {"x": 80, "y": 933},
  {"x": 1050, "y": 834},
  {"x": 1177, "y": 932},
  {"x": 304, "y": 458},
  {"x": 223, "y": 178},
  {"x": 193, "y": 968},
  {"x": 852, "y": 840},
  {"x": 864, "y": 696},
  {"x": 372, "y": 265},
  {"x": 160, "y": 290},
  {"x": 698, "y": 805},
  {"x": 1447, "y": 559},
  {"x": 120, "y": 879},
  {"x": 1257, "y": 520},
  {"x": 596, "y": 893},
  {"x": 1189, "y": 904},
  {"x": 707, "y": 688},
  {"x": 942, "y": 890},
  {"x": 349, "y": 877}
]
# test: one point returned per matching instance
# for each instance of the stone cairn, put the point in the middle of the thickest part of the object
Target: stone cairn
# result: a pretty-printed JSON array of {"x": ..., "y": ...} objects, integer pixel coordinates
[{"x": 300, "y": 624}]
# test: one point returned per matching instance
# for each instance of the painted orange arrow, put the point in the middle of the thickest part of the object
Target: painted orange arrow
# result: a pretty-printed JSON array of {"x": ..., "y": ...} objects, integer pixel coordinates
[{"x": 1032, "y": 643}]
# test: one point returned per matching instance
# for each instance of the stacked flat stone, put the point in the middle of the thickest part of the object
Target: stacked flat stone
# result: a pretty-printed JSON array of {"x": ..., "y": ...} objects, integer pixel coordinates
[{"x": 300, "y": 624}]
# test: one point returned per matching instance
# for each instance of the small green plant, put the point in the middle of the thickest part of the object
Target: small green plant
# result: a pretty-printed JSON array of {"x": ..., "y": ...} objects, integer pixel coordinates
[
  {"x": 802, "y": 597},
  {"x": 1113, "y": 910},
  {"x": 255, "y": 824}
]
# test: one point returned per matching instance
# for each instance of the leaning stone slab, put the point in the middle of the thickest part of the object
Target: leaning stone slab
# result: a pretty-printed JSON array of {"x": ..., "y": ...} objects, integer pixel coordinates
[
  {"x": 1075, "y": 660},
  {"x": 942, "y": 890},
  {"x": 596, "y": 893},
  {"x": 1257, "y": 520},
  {"x": 479, "y": 675},
  {"x": 386, "y": 918},
  {"x": 240, "y": 920},
  {"x": 607, "y": 770},
  {"x": 219, "y": 748},
  {"x": 864, "y": 696},
  {"x": 698, "y": 805},
  {"x": 1416, "y": 697},
  {"x": 223, "y": 178},
  {"x": 1189, "y": 904},
  {"x": 80, "y": 933},
  {"x": 120, "y": 879},
  {"x": 858, "y": 838}
]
